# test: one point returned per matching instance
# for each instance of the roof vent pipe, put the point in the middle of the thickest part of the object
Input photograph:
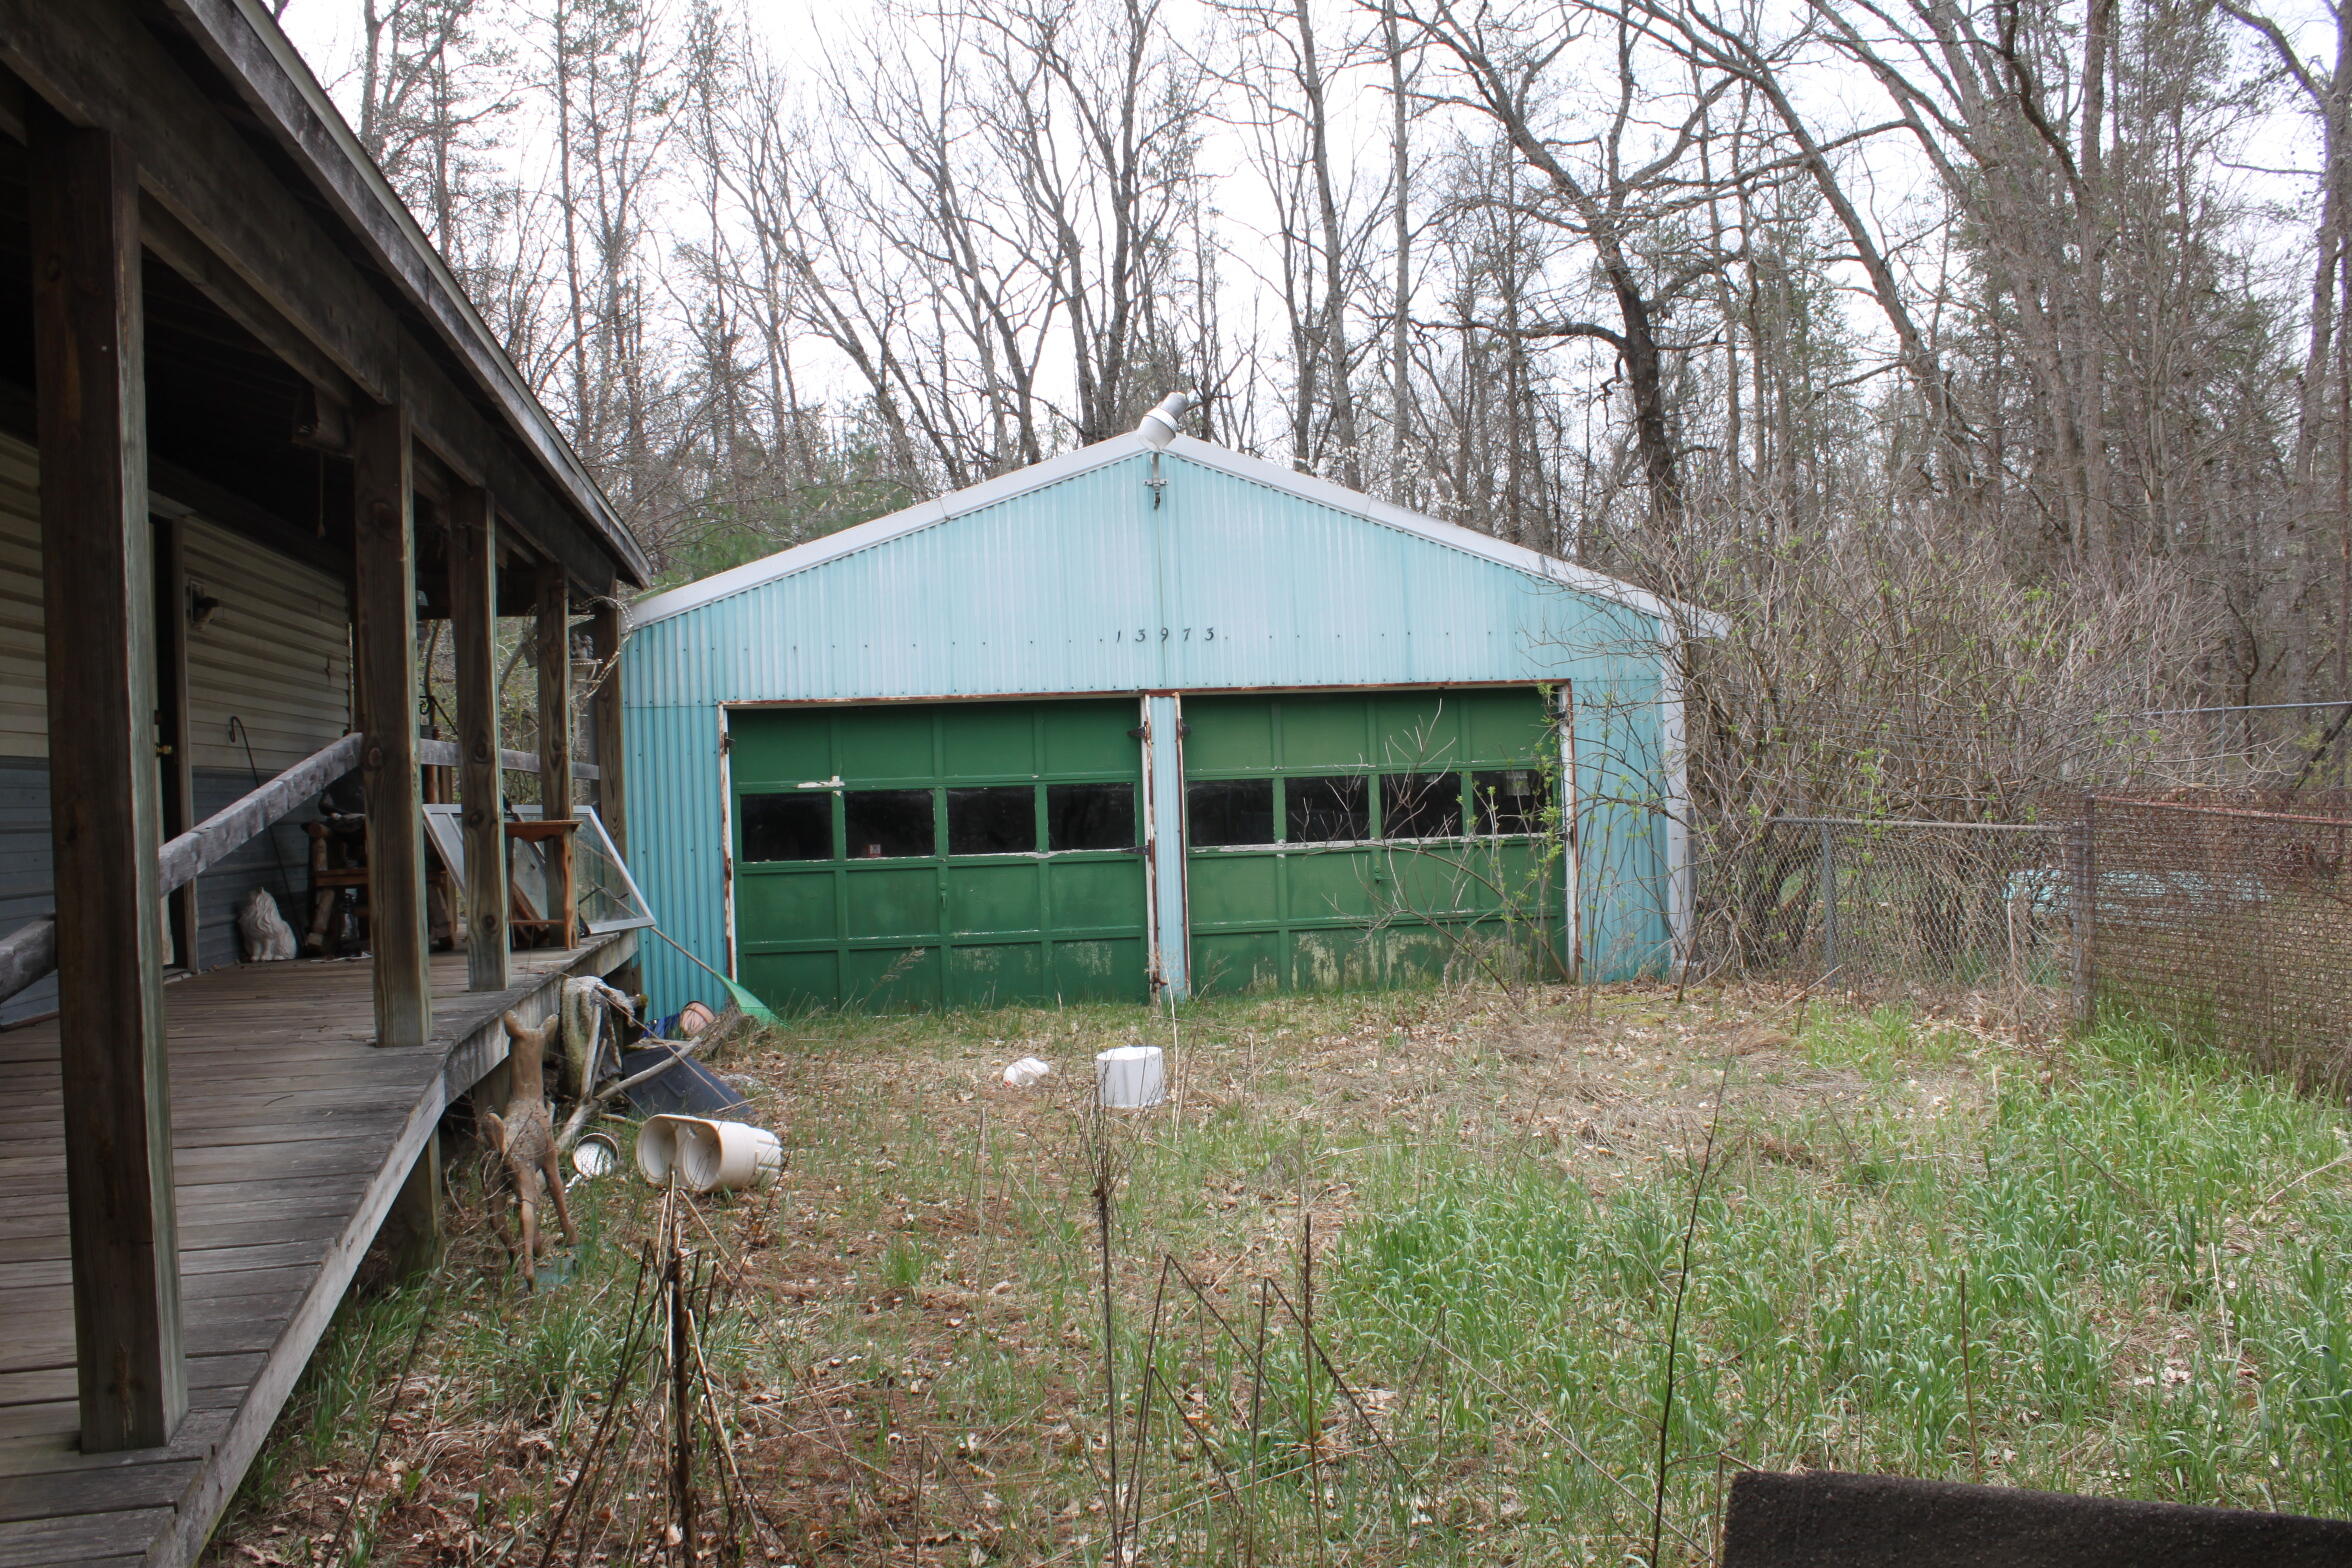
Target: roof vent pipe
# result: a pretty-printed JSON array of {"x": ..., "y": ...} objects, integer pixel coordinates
[{"x": 1159, "y": 427}]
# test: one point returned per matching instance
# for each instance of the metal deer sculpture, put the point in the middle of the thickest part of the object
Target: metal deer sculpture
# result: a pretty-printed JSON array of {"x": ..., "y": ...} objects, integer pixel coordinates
[{"x": 524, "y": 1135}]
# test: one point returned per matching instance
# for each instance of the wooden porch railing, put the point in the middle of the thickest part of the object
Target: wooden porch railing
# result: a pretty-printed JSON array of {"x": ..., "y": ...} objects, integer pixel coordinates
[
  {"x": 30, "y": 951},
  {"x": 448, "y": 754}
]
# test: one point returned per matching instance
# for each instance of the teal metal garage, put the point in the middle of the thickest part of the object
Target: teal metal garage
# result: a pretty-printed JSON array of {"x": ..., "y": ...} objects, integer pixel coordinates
[{"x": 844, "y": 758}]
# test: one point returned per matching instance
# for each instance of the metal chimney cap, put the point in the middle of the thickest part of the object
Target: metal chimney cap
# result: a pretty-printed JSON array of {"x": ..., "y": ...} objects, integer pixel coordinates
[{"x": 1159, "y": 427}]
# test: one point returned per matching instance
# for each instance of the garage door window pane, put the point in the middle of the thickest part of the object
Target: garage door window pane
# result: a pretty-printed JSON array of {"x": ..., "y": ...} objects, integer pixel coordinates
[
  {"x": 1090, "y": 816},
  {"x": 887, "y": 823},
  {"x": 1420, "y": 805},
  {"x": 996, "y": 819},
  {"x": 1230, "y": 811},
  {"x": 1510, "y": 800},
  {"x": 795, "y": 826},
  {"x": 1330, "y": 810}
]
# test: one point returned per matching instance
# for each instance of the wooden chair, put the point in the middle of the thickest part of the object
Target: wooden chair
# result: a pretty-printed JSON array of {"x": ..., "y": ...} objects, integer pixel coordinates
[{"x": 555, "y": 835}]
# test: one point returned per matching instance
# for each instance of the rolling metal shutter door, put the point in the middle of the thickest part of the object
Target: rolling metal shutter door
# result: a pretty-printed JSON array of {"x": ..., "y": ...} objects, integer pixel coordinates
[
  {"x": 954, "y": 854},
  {"x": 1344, "y": 840}
]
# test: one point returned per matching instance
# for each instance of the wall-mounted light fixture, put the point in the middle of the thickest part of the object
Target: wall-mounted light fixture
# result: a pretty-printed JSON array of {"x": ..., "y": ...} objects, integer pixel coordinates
[{"x": 202, "y": 607}]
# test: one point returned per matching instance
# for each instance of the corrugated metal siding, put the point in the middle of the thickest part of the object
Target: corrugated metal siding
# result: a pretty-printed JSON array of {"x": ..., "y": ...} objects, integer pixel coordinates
[
  {"x": 1047, "y": 593},
  {"x": 676, "y": 823},
  {"x": 1087, "y": 586},
  {"x": 1621, "y": 873}
]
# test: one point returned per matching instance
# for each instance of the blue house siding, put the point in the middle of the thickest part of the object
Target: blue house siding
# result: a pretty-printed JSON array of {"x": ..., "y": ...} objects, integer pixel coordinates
[{"x": 1101, "y": 581}]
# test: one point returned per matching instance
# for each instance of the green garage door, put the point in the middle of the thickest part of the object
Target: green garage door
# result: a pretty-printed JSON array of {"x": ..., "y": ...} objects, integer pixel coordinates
[
  {"x": 1359, "y": 840},
  {"x": 962, "y": 854}
]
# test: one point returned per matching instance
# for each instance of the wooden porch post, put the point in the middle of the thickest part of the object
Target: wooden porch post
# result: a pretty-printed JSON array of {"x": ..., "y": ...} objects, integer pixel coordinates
[
  {"x": 612, "y": 802},
  {"x": 384, "y": 646},
  {"x": 473, "y": 610},
  {"x": 97, "y": 557},
  {"x": 554, "y": 653}
]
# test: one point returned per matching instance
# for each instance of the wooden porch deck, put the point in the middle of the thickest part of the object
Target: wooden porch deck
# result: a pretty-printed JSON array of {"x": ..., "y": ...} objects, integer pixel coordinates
[{"x": 291, "y": 1136}]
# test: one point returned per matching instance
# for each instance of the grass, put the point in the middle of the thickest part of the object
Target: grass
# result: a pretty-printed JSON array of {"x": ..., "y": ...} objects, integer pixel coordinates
[{"x": 2116, "y": 1265}]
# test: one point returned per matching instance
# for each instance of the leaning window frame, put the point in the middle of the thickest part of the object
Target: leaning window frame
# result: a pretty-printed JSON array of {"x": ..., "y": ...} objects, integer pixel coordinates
[{"x": 443, "y": 825}]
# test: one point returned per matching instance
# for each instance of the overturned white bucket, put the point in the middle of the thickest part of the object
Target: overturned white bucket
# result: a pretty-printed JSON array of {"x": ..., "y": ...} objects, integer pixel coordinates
[
  {"x": 706, "y": 1155},
  {"x": 1130, "y": 1077},
  {"x": 657, "y": 1149},
  {"x": 715, "y": 1156}
]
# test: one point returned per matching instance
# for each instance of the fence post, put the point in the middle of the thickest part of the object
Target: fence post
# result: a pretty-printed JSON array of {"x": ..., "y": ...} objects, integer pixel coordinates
[
  {"x": 1828, "y": 880},
  {"x": 2082, "y": 883}
]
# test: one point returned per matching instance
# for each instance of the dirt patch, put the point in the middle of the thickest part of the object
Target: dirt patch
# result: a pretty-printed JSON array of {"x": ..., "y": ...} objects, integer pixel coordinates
[{"x": 909, "y": 1361}]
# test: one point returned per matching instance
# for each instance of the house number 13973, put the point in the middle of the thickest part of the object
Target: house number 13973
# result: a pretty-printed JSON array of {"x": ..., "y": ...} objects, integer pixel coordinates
[{"x": 1167, "y": 634}]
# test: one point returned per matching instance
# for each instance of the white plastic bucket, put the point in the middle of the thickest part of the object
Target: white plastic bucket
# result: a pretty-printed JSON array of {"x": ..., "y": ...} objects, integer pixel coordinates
[
  {"x": 657, "y": 1148},
  {"x": 1130, "y": 1077},
  {"x": 714, "y": 1156}
]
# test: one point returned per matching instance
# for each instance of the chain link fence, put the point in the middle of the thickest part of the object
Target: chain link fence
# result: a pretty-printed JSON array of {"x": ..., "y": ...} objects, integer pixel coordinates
[
  {"x": 2225, "y": 916},
  {"x": 1975, "y": 912},
  {"x": 2228, "y": 918}
]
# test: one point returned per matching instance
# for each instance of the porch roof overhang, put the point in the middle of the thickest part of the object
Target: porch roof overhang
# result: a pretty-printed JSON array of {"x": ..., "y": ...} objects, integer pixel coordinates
[{"x": 256, "y": 191}]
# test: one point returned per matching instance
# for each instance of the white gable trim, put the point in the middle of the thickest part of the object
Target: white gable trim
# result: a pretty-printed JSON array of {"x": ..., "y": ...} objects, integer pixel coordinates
[
  {"x": 1672, "y": 616},
  {"x": 1534, "y": 563},
  {"x": 849, "y": 541}
]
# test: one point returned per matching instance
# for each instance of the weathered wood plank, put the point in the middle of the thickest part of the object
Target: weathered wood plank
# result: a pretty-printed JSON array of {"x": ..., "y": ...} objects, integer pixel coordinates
[
  {"x": 222, "y": 1206},
  {"x": 314, "y": 1157},
  {"x": 253, "y": 1245},
  {"x": 211, "y": 841},
  {"x": 99, "y": 606},
  {"x": 266, "y": 1256},
  {"x": 186, "y": 254},
  {"x": 605, "y": 716},
  {"x": 384, "y": 654},
  {"x": 449, "y": 754},
  {"x": 40, "y": 1440},
  {"x": 97, "y": 61},
  {"x": 226, "y": 1323},
  {"x": 293, "y": 1226},
  {"x": 473, "y": 624},
  {"x": 553, "y": 654},
  {"x": 25, "y": 1498},
  {"x": 40, "y": 1543},
  {"x": 55, "y": 1386},
  {"x": 262, "y": 65},
  {"x": 323, "y": 1100},
  {"x": 204, "y": 1294},
  {"x": 552, "y": 651},
  {"x": 291, "y": 1351}
]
